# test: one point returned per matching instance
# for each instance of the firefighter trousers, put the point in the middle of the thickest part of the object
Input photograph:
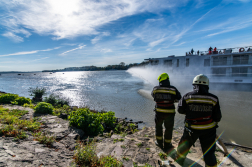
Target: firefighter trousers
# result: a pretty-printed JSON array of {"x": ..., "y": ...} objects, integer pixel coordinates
[
  {"x": 168, "y": 120},
  {"x": 207, "y": 139}
]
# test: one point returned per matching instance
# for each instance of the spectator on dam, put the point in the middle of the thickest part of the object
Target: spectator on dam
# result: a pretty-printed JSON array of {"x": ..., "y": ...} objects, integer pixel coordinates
[
  {"x": 215, "y": 50},
  {"x": 164, "y": 95},
  {"x": 198, "y": 52},
  {"x": 192, "y": 51},
  {"x": 202, "y": 112},
  {"x": 210, "y": 50}
]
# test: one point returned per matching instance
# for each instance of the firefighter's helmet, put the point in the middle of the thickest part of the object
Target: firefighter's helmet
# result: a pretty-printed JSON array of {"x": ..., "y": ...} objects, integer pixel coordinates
[
  {"x": 201, "y": 80},
  {"x": 163, "y": 77}
]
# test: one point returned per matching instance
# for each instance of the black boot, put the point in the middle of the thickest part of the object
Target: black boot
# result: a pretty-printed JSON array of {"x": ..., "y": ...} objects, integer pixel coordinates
[
  {"x": 159, "y": 143},
  {"x": 168, "y": 147}
]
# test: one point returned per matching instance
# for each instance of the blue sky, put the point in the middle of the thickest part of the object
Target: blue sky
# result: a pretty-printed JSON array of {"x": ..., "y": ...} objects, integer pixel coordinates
[{"x": 53, "y": 34}]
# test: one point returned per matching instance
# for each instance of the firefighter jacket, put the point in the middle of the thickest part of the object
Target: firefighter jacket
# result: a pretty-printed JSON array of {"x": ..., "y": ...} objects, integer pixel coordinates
[
  {"x": 164, "y": 95},
  {"x": 202, "y": 109}
]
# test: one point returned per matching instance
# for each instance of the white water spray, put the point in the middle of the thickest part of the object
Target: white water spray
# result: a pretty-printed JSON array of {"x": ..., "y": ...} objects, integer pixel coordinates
[{"x": 149, "y": 75}]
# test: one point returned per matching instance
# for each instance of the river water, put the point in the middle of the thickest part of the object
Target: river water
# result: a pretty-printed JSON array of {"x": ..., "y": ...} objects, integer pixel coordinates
[{"x": 127, "y": 93}]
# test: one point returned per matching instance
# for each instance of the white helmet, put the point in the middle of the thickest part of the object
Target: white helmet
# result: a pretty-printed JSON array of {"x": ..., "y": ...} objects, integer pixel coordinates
[{"x": 201, "y": 80}]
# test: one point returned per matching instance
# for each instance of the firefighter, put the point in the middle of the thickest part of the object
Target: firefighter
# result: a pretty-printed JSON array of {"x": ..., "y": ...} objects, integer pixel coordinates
[
  {"x": 202, "y": 112},
  {"x": 164, "y": 95}
]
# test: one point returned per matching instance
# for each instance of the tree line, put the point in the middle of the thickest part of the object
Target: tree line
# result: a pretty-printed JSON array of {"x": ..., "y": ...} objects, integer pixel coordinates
[{"x": 120, "y": 66}]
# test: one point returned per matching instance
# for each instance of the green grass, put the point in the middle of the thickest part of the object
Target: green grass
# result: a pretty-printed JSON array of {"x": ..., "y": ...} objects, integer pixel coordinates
[
  {"x": 117, "y": 140},
  {"x": 85, "y": 155},
  {"x": 162, "y": 155},
  {"x": 13, "y": 126},
  {"x": 139, "y": 144},
  {"x": 125, "y": 158},
  {"x": 123, "y": 146},
  {"x": 44, "y": 138}
]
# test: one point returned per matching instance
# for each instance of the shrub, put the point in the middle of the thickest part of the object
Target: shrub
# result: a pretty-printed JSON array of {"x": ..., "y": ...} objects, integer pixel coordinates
[
  {"x": 22, "y": 101},
  {"x": 8, "y": 98},
  {"x": 109, "y": 118},
  {"x": 44, "y": 139},
  {"x": 88, "y": 121},
  {"x": 37, "y": 93},
  {"x": 110, "y": 161},
  {"x": 55, "y": 100},
  {"x": 62, "y": 102},
  {"x": 44, "y": 108},
  {"x": 65, "y": 109},
  {"x": 28, "y": 105},
  {"x": 91, "y": 122},
  {"x": 52, "y": 99},
  {"x": 85, "y": 155}
]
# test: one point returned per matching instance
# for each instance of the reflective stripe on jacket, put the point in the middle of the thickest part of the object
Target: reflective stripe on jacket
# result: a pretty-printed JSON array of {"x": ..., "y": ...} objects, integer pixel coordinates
[
  {"x": 165, "y": 110},
  {"x": 201, "y": 99},
  {"x": 164, "y": 90},
  {"x": 201, "y": 127},
  {"x": 164, "y": 96},
  {"x": 202, "y": 109}
]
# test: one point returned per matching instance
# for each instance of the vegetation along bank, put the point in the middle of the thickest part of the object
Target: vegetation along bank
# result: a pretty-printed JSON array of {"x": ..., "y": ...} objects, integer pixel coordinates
[{"x": 48, "y": 132}]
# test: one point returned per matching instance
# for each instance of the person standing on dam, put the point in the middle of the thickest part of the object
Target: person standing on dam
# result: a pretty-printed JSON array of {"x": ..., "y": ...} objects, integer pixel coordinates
[
  {"x": 164, "y": 95},
  {"x": 202, "y": 112}
]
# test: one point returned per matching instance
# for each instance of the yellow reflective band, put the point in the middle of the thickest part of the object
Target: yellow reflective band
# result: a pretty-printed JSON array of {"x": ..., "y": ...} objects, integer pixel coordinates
[
  {"x": 211, "y": 166},
  {"x": 159, "y": 137},
  {"x": 206, "y": 101},
  {"x": 164, "y": 91},
  {"x": 202, "y": 127},
  {"x": 165, "y": 110},
  {"x": 167, "y": 141}
]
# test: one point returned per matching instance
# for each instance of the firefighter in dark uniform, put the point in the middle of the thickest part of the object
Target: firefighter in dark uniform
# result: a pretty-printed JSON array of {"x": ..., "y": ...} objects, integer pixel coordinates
[
  {"x": 164, "y": 95},
  {"x": 202, "y": 112}
]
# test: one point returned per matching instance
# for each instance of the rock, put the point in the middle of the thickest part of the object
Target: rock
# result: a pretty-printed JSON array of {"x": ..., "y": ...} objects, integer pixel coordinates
[
  {"x": 57, "y": 145},
  {"x": 72, "y": 147},
  {"x": 75, "y": 133},
  {"x": 142, "y": 158},
  {"x": 128, "y": 163},
  {"x": 60, "y": 133},
  {"x": 39, "y": 150},
  {"x": 10, "y": 152}
]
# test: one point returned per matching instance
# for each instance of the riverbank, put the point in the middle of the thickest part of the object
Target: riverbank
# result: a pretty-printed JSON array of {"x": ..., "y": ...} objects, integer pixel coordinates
[{"x": 137, "y": 149}]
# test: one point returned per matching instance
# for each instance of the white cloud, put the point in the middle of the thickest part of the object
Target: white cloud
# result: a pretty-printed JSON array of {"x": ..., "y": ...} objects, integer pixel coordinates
[
  {"x": 99, "y": 37},
  {"x": 154, "y": 43},
  {"x": 13, "y": 37},
  {"x": 106, "y": 50},
  {"x": 230, "y": 26},
  {"x": 81, "y": 46},
  {"x": 67, "y": 19},
  {"x": 38, "y": 59},
  {"x": 180, "y": 44},
  {"x": 28, "y": 52}
]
